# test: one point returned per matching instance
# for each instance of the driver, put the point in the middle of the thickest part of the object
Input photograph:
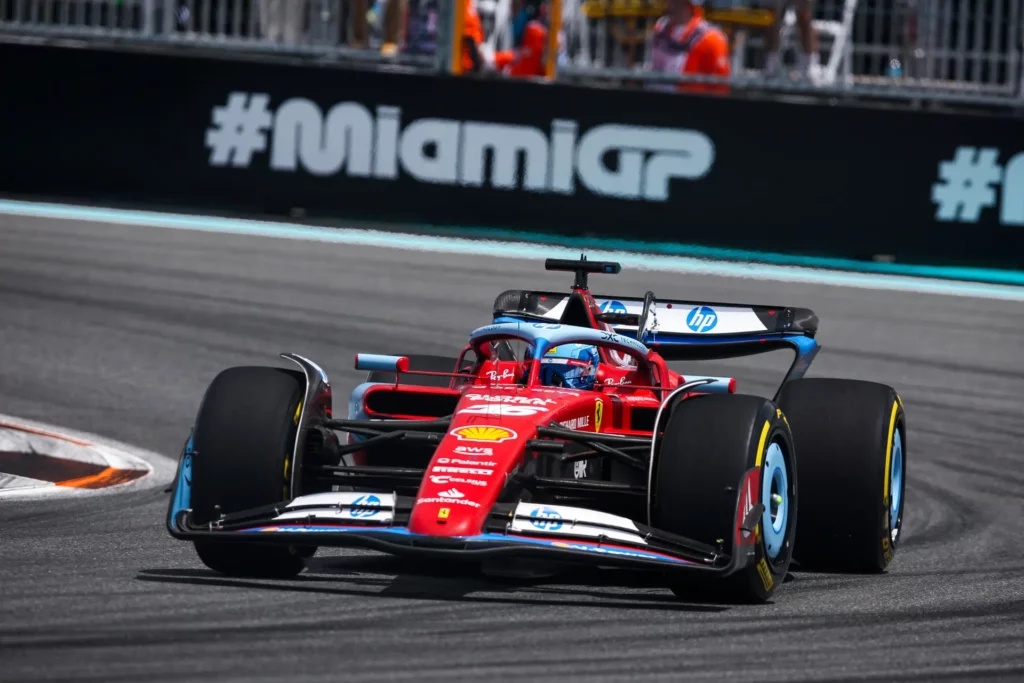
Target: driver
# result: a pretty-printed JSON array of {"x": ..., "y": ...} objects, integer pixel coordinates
[{"x": 573, "y": 366}]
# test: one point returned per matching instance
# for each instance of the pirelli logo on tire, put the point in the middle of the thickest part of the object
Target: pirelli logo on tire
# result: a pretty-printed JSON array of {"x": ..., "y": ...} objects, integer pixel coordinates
[{"x": 766, "y": 575}]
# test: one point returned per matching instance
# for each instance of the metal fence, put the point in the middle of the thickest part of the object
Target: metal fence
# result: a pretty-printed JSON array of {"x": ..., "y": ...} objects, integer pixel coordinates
[
  {"x": 940, "y": 49},
  {"x": 973, "y": 44},
  {"x": 359, "y": 29},
  {"x": 936, "y": 47}
]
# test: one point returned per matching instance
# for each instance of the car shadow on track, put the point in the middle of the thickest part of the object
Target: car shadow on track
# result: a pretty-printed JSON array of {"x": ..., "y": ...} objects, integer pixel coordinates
[{"x": 388, "y": 577}]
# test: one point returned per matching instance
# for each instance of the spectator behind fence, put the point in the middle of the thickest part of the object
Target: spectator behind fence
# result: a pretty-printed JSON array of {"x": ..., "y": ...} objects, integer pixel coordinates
[
  {"x": 421, "y": 27},
  {"x": 472, "y": 39},
  {"x": 282, "y": 20},
  {"x": 807, "y": 56},
  {"x": 422, "y": 32},
  {"x": 685, "y": 43},
  {"x": 396, "y": 15},
  {"x": 528, "y": 56}
]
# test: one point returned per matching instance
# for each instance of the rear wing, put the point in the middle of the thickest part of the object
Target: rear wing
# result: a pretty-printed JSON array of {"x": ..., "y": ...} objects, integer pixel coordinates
[
  {"x": 697, "y": 319},
  {"x": 682, "y": 330}
]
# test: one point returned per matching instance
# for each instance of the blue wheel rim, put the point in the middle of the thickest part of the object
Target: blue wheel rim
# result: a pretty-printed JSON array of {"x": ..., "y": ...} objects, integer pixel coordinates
[
  {"x": 895, "y": 480},
  {"x": 775, "y": 494}
]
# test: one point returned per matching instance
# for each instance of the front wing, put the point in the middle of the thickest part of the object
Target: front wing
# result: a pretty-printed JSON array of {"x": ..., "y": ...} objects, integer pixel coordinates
[{"x": 554, "y": 533}]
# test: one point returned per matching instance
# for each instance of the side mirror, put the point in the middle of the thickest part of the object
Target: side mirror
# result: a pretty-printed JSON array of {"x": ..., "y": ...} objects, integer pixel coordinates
[{"x": 380, "y": 363}]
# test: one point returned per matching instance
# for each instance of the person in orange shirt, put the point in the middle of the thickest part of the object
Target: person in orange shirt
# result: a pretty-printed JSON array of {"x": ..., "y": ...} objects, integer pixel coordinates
[
  {"x": 472, "y": 38},
  {"x": 685, "y": 43},
  {"x": 530, "y": 38}
]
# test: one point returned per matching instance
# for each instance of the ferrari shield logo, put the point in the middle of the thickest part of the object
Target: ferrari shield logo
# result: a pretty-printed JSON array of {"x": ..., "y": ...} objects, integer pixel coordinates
[{"x": 598, "y": 414}]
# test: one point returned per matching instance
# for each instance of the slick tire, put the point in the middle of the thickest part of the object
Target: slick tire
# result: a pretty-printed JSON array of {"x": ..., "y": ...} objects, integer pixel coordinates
[
  {"x": 851, "y": 444},
  {"x": 424, "y": 363},
  {"x": 243, "y": 442},
  {"x": 709, "y": 443}
]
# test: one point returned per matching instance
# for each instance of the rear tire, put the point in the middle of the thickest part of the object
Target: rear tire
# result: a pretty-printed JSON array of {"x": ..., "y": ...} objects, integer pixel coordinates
[
  {"x": 243, "y": 442},
  {"x": 852, "y": 443},
  {"x": 709, "y": 443}
]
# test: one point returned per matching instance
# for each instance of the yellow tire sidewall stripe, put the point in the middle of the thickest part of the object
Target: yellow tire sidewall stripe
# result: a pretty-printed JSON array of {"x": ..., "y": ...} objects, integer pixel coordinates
[
  {"x": 888, "y": 450},
  {"x": 761, "y": 443}
]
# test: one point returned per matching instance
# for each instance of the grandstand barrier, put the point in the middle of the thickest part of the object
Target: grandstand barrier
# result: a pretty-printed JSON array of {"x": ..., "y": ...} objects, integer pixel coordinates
[
  {"x": 927, "y": 49},
  {"x": 259, "y": 136},
  {"x": 345, "y": 30},
  {"x": 908, "y": 51}
]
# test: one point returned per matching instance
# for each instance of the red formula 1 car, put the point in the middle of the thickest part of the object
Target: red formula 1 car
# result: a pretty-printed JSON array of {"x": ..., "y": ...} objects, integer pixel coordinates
[{"x": 559, "y": 435}]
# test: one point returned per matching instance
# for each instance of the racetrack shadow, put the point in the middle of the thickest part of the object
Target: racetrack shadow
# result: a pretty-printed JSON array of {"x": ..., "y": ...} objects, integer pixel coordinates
[
  {"x": 457, "y": 585},
  {"x": 575, "y": 575}
]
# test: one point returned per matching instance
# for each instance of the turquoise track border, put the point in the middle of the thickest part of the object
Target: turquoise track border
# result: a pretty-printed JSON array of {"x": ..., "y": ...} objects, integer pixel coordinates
[{"x": 989, "y": 275}]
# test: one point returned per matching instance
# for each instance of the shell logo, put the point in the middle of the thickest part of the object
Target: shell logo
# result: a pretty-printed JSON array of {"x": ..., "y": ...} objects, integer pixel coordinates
[{"x": 484, "y": 433}]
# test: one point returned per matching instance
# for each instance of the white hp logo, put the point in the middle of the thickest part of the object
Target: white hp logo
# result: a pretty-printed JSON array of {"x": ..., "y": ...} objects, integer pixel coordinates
[{"x": 702, "y": 319}]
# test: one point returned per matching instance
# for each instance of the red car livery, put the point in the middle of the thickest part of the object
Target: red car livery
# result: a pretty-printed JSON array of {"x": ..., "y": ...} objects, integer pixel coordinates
[{"x": 499, "y": 452}]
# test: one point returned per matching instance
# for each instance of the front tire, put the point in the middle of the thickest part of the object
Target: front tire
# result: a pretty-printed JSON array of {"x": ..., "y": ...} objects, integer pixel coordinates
[
  {"x": 852, "y": 444},
  {"x": 243, "y": 442},
  {"x": 709, "y": 444}
]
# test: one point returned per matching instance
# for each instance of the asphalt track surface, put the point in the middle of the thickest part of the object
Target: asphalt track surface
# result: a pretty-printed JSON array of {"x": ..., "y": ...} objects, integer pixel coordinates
[{"x": 117, "y": 330}]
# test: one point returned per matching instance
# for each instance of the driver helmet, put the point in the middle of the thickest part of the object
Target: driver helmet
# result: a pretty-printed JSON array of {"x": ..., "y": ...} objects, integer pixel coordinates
[{"x": 570, "y": 365}]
